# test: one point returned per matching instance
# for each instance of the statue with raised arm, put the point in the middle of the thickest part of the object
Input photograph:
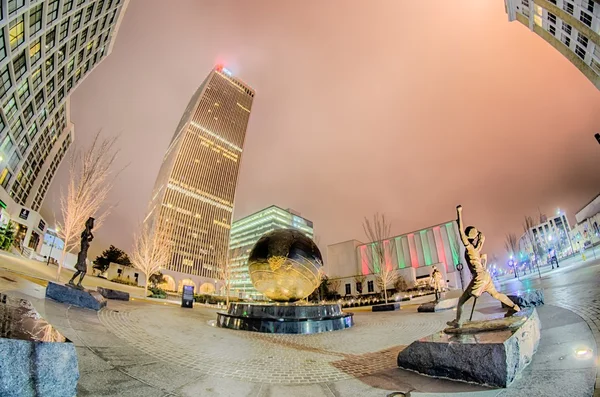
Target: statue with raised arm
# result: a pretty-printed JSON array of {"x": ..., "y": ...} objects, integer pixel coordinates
[
  {"x": 81, "y": 266},
  {"x": 482, "y": 282}
]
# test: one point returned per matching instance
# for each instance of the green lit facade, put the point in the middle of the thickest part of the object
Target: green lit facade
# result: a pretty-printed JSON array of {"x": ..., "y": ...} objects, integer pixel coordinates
[{"x": 246, "y": 232}]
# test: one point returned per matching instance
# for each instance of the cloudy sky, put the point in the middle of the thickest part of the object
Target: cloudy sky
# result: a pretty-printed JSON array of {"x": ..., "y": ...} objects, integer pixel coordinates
[{"x": 402, "y": 107}]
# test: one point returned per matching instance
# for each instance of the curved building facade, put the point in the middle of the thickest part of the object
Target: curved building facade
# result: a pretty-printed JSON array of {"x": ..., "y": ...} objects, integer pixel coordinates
[{"x": 194, "y": 193}]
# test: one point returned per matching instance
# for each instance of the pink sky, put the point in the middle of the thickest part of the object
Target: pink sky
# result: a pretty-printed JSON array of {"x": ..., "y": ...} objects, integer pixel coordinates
[{"x": 402, "y": 107}]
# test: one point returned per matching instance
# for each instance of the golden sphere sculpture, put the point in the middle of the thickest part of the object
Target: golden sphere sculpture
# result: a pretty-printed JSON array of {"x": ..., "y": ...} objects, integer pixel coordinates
[{"x": 284, "y": 265}]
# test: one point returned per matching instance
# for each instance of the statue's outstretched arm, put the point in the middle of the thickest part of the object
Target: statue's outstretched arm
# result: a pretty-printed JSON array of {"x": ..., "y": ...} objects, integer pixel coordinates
[{"x": 461, "y": 227}]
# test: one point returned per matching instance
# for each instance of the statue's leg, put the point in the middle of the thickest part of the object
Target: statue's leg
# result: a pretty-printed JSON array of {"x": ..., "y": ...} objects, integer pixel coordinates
[
  {"x": 459, "y": 308},
  {"x": 73, "y": 278},
  {"x": 503, "y": 298},
  {"x": 81, "y": 278}
]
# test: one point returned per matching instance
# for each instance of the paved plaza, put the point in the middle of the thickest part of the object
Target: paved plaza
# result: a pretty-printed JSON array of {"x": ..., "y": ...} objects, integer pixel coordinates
[{"x": 150, "y": 348}]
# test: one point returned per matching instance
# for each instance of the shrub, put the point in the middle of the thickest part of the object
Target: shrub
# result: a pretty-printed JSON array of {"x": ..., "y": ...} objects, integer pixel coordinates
[
  {"x": 123, "y": 281},
  {"x": 156, "y": 292},
  {"x": 210, "y": 299}
]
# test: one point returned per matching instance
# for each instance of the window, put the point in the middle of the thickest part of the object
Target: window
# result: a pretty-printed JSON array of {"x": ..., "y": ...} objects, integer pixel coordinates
[
  {"x": 580, "y": 52},
  {"x": 99, "y": 7},
  {"x": 566, "y": 28},
  {"x": 60, "y": 76},
  {"x": 51, "y": 104},
  {"x": 14, "y": 5},
  {"x": 94, "y": 27},
  {"x": 5, "y": 177},
  {"x": 14, "y": 160},
  {"x": 552, "y": 30},
  {"x": 73, "y": 45},
  {"x": 7, "y": 144},
  {"x": 32, "y": 131},
  {"x": 17, "y": 128},
  {"x": 69, "y": 84},
  {"x": 80, "y": 2},
  {"x": 588, "y": 5},
  {"x": 43, "y": 116},
  {"x": 586, "y": 18},
  {"x": 35, "y": 51},
  {"x": 552, "y": 18},
  {"x": 359, "y": 287},
  {"x": 39, "y": 98},
  {"x": 24, "y": 91},
  {"x": 28, "y": 112},
  {"x": 348, "y": 289},
  {"x": 68, "y": 6},
  {"x": 552, "y": 1},
  {"x": 52, "y": 10},
  {"x": 77, "y": 20},
  {"x": 568, "y": 7},
  {"x": 49, "y": 65},
  {"x": 10, "y": 107},
  {"x": 64, "y": 29},
  {"x": 370, "y": 287},
  {"x": 19, "y": 66},
  {"x": 88, "y": 14},
  {"x": 84, "y": 35},
  {"x": 2, "y": 47},
  {"x": 582, "y": 39},
  {"x": 24, "y": 144},
  {"x": 36, "y": 78},
  {"x": 595, "y": 66},
  {"x": 50, "y": 39},
  {"x": 5, "y": 83},
  {"x": 70, "y": 66},
  {"x": 565, "y": 40},
  {"x": 16, "y": 32},
  {"x": 35, "y": 19},
  {"x": 50, "y": 86}
]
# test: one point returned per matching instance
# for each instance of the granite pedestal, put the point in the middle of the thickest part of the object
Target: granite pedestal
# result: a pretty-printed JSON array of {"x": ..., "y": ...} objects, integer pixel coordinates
[
  {"x": 529, "y": 298},
  {"x": 77, "y": 297},
  {"x": 438, "y": 306},
  {"x": 492, "y": 358},
  {"x": 386, "y": 307},
  {"x": 285, "y": 318},
  {"x": 113, "y": 294},
  {"x": 35, "y": 359}
]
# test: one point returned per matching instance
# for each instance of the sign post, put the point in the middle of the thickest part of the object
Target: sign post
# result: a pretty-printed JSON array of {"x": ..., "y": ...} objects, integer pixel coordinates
[{"x": 187, "y": 297}]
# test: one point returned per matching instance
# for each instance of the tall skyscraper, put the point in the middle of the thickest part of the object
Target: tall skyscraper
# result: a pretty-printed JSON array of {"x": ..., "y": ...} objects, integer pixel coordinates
[
  {"x": 194, "y": 193},
  {"x": 245, "y": 233},
  {"x": 46, "y": 49},
  {"x": 570, "y": 26}
]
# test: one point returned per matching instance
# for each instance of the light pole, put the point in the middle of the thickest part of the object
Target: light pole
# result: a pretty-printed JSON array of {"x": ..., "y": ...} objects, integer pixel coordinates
[{"x": 57, "y": 229}]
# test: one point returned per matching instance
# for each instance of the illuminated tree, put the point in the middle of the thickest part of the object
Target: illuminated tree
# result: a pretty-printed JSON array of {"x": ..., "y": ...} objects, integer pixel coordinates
[
  {"x": 90, "y": 181},
  {"x": 151, "y": 251},
  {"x": 378, "y": 231}
]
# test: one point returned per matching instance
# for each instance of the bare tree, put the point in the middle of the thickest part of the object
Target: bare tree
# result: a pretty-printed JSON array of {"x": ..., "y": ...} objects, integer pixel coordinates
[
  {"x": 511, "y": 244},
  {"x": 377, "y": 231},
  {"x": 334, "y": 285},
  {"x": 151, "y": 251},
  {"x": 90, "y": 181}
]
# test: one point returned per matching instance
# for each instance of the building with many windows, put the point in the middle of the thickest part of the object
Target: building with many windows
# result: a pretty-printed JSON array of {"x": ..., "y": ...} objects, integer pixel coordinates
[
  {"x": 47, "y": 47},
  {"x": 411, "y": 254},
  {"x": 192, "y": 200},
  {"x": 570, "y": 26},
  {"x": 550, "y": 234},
  {"x": 246, "y": 232}
]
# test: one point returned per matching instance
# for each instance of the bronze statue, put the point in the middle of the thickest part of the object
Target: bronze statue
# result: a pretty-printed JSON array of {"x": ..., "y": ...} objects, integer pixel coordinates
[
  {"x": 436, "y": 281},
  {"x": 81, "y": 266},
  {"x": 482, "y": 281}
]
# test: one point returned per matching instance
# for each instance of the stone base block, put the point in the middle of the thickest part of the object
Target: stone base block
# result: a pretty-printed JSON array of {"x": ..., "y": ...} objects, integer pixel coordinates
[
  {"x": 35, "y": 359},
  {"x": 489, "y": 358},
  {"x": 386, "y": 307},
  {"x": 113, "y": 294},
  {"x": 529, "y": 298},
  {"x": 73, "y": 296},
  {"x": 438, "y": 306}
]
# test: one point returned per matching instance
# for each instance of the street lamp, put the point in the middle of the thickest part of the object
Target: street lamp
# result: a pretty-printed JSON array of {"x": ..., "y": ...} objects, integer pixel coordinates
[{"x": 57, "y": 229}]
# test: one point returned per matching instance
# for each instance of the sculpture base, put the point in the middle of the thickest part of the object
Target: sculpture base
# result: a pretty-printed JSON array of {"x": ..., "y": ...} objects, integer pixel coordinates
[
  {"x": 438, "y": 306},
  {"x": 285, "y": 318},
  {"x": 113, "y": 294},
  {"x": 35, "y": 359},
  {"x": 386, "y": 307},
  {"x": 492, "y": 358},
  {"x": 529, "y": 298},
  {"x": 74, "y": 296}
]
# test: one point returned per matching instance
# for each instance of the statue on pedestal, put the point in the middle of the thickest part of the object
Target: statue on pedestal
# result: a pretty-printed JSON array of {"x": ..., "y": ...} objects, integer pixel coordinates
[
  {"x": 482, "y": 281},
  {"x": 81, "y": 266},
  {"x": 436, "y": 282}
]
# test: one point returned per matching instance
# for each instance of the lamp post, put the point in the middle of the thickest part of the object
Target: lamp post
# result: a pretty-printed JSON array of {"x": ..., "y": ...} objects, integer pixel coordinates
[{"x": 57, "y": 229}]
